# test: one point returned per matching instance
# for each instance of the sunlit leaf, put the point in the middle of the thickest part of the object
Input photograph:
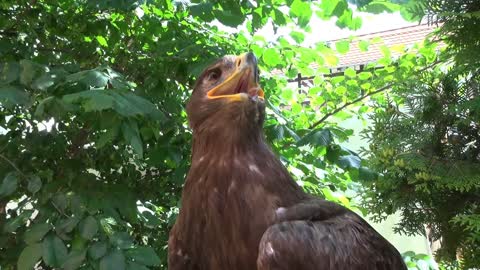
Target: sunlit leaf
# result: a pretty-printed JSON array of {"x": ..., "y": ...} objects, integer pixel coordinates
[
  {"x": 271, "y": 57},
  {"x": 102, "y": 41},
  {"x": 342, "y": 46},
  {"x": 350, "y": 72},
  {"x": 363, "y": 45},
  {"x": 297, "y": 36}
]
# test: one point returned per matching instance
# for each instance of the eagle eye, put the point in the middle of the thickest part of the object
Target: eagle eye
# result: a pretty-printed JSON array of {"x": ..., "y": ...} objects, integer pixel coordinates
[{"x": 214, "y": 74}]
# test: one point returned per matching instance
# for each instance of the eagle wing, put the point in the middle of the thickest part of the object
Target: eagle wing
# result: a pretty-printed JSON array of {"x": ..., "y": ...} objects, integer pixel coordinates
[{"x": 322, "y": 235}]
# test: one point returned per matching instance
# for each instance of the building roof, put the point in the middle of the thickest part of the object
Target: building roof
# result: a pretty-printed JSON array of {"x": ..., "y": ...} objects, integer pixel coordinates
[
  {"x": 406, "y": 35},
  {"x": 355, "y": 57}
]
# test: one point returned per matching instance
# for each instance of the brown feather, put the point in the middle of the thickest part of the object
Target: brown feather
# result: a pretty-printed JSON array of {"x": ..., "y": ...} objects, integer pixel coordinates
[{"x": 241, "y": 209}]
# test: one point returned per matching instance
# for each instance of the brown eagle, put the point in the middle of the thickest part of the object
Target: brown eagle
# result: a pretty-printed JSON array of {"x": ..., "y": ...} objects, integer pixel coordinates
[{"x": 241, "y": 209}]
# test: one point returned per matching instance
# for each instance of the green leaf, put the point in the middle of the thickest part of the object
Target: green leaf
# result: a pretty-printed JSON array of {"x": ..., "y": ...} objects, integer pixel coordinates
[
  {"x": 202, "y": 10},
  {"x": 349, "y": 161},
  {"x": 36, "y": 232},
  {"x": 135, "y": 266},
  {"x": 93, "y": 100},
  {"x": 66, "y": 225},
  {"x": 318, "y": 137},
  {"x": 229, "y": 19},
  {"x": 331, "y": 59},
  {"x": 48, "y": 79},
  {"x": 410, "y": 13},
  {"x": 378, "y": 6},
  {"x": 302, "y": 10},
  {"x": 144, "y": 255},
  {"x": 9, "y": 72},
  {"x": 350, "y": 72},
  {"x": 299, "y": 37},
  {"x": 60, "y": 201},
  {"x": 77, "y": 205},
  {"x": 88, "y": 227},
  {"x": 270, "y": 57},
  {"x": 121, "y": 240},
  {"x": 364, "y": 75},
  {"x": 97, "y": 250},
  {"x": 107, "y": 137},
  {"x": 102, "y": 41},
  {"x": 279, "y": 17},
  {"x": 29, "y": 257},
  {"x": 115, "y": 260},
  {"x": 30, "y": 70},
  {"x": 54, "y": 251},
  {"x": 34, "y": 184},
  {"x": 95, "y": 78},
  {"x": 363, "y": 45},
  {"x": 132, "y": 135},
  {"x": 129, "y": 104},
  {"x": 11, "y": 96},
  {"x": 332, "y": 8},
  {"x": 74, "y": 260},
  {"x": 342, "y": 46},
  {"x": 124, "y": 103},
  {"x": 9, "y": 185},
  {"x": 78, "y": 243}
]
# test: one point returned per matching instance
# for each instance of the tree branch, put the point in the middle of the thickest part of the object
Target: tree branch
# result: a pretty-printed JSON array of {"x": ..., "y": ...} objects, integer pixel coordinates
[
  {"x": 350, "y": 103},
  {"x": 379, "y": 90}
]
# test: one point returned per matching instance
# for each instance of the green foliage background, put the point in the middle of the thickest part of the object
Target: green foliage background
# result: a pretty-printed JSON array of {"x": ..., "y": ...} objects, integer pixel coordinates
[
  {"x": 426, "y": 140},
  {"x": 94, "y": 140}
]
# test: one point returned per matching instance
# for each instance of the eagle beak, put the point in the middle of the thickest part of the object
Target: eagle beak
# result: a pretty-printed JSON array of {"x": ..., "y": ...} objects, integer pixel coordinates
[{"x": 242, "y": 84}]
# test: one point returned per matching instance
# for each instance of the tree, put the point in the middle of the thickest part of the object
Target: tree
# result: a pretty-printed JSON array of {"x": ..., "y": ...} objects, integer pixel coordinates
[
  {"x": 425, "y": 141},
  {"x": 426, "y": 146},
  {"x": 93, "y": 139}
]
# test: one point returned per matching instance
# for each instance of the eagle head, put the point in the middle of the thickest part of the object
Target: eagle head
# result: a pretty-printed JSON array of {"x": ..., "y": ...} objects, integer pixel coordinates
[{"x": 227, "y": 95}]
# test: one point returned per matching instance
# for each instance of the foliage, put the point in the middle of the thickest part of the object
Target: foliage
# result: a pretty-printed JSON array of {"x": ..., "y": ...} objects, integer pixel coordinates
[
  {"x": 425, "y": 141},
  {"x": 419, "y": 261},
  {"x": 459, "y": 21},
  {"x": 94, "y": 141},
  {"x": 426, "y": 146}
]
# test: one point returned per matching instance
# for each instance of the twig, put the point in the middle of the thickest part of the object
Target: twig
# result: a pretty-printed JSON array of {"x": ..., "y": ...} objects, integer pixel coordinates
[
  {"x": 12, "y": 164},
  {"x": 326, "y": 116},
  {"x": 58, "y": 209},
  {"x": 350, "y": 103}
]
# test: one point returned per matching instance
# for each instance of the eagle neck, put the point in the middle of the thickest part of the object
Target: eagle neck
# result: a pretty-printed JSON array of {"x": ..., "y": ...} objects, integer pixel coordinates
[{"x": 226, "y": 144}]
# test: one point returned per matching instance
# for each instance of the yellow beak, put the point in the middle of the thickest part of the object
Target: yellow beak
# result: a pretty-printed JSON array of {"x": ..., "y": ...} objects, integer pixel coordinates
[{"x": 242, "y": 83}]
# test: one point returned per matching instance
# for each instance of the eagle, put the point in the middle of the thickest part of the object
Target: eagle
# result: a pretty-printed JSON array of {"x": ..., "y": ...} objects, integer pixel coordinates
[{"x": 241, "y": 209}]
